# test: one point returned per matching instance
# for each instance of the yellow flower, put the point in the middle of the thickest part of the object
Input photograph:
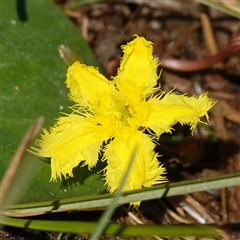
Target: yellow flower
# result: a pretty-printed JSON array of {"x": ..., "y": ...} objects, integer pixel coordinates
[{"x": 115, "y": 117}]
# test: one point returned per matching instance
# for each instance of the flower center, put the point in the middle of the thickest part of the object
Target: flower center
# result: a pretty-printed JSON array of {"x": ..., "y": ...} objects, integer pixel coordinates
[{"x": 120, "y": 111}]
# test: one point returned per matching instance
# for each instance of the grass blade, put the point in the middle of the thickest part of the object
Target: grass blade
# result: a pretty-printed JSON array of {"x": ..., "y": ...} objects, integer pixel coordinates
[{"x": 104, "y": 200}]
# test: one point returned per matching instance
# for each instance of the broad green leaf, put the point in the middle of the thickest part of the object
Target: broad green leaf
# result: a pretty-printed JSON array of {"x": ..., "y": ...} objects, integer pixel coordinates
[{"x": 32, "y": 85}]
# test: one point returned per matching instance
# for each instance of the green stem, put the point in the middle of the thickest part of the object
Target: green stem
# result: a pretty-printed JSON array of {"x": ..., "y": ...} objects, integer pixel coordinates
[
  {"x": 77, "y": 227},
  {"x": 104, "y": 200}
]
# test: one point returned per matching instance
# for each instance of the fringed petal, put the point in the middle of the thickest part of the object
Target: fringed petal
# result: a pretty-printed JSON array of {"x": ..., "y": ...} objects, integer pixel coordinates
[
  {"x": 88, "y": 87},
  {"x": 137, "y": 72},
  {"x": 146, "y": 170},
  {"x": 174, "y": 108},
  {"x": 72, "y": 140}
]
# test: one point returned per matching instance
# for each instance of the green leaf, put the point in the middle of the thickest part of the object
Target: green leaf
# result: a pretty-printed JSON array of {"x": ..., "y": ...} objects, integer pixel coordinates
[
  {"x": 104, "y": 200},
  {"x": 33, "y": 76},
  {"x": 112, "y": 229}
]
